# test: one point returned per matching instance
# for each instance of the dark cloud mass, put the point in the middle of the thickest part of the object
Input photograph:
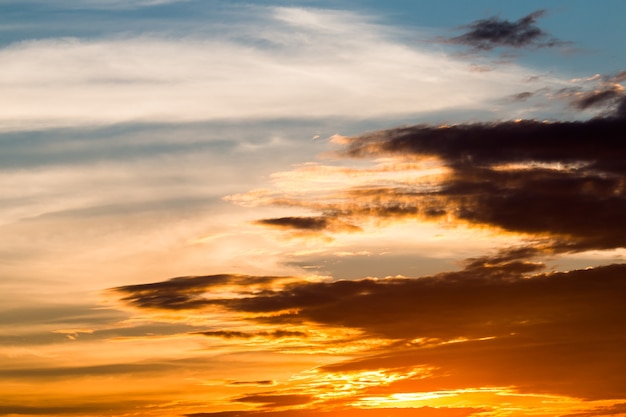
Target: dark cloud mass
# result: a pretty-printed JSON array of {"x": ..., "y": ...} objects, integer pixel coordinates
[
  {"x": 487, "y": 34},
  {"x": 563, "y": 180},
  {"x": 557, "y": 333}
]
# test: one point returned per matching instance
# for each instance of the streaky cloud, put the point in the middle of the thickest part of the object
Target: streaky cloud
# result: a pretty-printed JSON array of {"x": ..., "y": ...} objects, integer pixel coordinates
[
  {"x": 286, "y": 62},
  {"x": 354, "y": 412},
  {"x": 275, "y": 400},
  {"x": 551, "y": 332},
  {"x": 186, "y": 292},
  {"x": 231, "y": 334}
]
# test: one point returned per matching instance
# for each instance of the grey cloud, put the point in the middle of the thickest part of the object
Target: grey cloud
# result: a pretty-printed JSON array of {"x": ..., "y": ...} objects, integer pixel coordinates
[
  {"x": 523, "y": 96},
  {"x": 609, "y": 96},
  {"x": 487, "y": 34}
]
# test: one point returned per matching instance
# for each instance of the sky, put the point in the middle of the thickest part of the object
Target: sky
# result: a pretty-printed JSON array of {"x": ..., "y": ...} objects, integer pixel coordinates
[{"x": 312, "y": 208}]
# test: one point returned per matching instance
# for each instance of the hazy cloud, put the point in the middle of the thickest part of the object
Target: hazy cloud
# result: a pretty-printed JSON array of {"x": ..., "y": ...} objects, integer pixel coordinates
[
  {"x": 73, "y": 408},
  {"x": 264, "y": 382},
  {"x": 616, "y": 409},
  {"x": 83, "y": 371},
  {"x": 275, "y": 400},
  {"x": 284, "y": 62},
  {"x": 346, "y": 412}
]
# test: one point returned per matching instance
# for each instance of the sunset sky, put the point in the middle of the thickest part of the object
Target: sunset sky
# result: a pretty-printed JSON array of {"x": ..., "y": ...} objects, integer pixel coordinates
[{"x": 312, "y": 208}]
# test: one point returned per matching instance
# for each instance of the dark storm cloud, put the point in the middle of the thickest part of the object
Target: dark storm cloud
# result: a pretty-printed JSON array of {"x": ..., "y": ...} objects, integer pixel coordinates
[{"x": 487, "y": 34}]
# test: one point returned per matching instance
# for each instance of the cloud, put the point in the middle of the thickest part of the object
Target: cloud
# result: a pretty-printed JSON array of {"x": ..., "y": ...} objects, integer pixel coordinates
[
  {"x": 189, "y": 292},
  {"x": 284, "y": 63},
  {"x": 230, "y": 334},
  {"x": 487, "y": 34},
  {"x": 497, "y": 322},
  {"x": 312, "y": 224},
  {"x": 275, "y": 400},
  {"x": 527, "y": 176},
  {"x": 612, "y": 410},
  {"x": 84, "y": 371},
  {"x": 73, "y": 408},
  {"x": 354, "y": 412},
  {"x": 264, "y": 382}
]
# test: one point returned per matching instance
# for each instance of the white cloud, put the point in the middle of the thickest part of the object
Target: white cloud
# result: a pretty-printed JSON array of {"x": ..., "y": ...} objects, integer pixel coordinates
[{"x": 292, "y": 63}]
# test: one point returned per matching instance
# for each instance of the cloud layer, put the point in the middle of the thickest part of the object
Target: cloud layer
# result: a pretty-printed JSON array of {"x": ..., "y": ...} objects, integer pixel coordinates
[
  {"x": 552, "y": 333},
  {"x": 288, "y": 62}
]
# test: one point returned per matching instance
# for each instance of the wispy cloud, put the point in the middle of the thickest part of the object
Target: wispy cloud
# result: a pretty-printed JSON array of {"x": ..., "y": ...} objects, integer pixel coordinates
[
  {"x": 289, "y": 61},
  {"x": 378, "y": 412}
]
